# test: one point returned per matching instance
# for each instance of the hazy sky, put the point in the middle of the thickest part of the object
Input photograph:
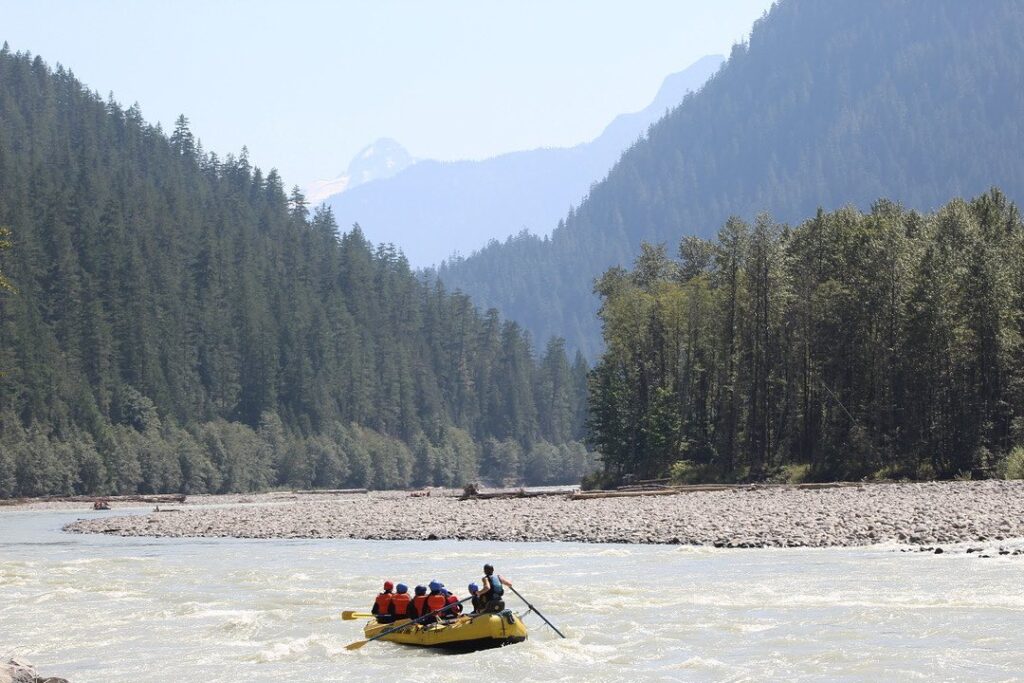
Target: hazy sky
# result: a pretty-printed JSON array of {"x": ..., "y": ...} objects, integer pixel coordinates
[{"x": 305, "y": 85}]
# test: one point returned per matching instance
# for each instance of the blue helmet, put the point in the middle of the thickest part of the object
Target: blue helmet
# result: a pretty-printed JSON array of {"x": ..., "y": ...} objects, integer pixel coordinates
[
  {"x": 473, "y": 588},
  {"x": 421, "y": 590},
  {"x": 435, "y": 586},
  {"x": 402, "y": 588}
]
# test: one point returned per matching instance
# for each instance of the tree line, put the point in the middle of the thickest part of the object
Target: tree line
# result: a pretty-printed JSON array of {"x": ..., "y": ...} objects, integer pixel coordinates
[
  {"x": 182, "y": 323},
  {"x": 884, "y": 344}
]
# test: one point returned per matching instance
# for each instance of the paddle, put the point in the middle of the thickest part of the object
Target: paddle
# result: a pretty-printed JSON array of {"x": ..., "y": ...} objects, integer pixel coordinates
[
  {"x": 349, "y": 615},
  {"x": 359, "y": 643},
  {"x": 534, "y": 609}
]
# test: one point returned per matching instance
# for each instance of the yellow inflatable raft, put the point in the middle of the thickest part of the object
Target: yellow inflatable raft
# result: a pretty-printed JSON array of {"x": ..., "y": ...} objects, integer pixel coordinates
[{"x": 468, "y": 633}]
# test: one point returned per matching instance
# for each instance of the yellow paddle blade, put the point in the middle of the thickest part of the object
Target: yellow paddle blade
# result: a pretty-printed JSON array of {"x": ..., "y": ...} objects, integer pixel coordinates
[
  {"x": 349, "y": 615},
  {"x": 356, "y": 645}
]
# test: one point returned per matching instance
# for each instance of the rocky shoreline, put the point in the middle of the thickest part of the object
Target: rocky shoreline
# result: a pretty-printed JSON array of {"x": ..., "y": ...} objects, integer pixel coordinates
[
  {"x": 913, "y": 514},
  {"x": 18, "y": 671}
]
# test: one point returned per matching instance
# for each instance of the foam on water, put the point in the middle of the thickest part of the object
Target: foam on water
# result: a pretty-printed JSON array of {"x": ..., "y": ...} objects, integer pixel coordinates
[{"x": 96, "y": 608}]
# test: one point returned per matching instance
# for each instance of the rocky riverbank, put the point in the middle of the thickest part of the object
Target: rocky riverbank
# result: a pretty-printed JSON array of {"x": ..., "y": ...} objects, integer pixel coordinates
[
  {"x": 17, "y": 671},
  {"x": 919, "y": 514}
]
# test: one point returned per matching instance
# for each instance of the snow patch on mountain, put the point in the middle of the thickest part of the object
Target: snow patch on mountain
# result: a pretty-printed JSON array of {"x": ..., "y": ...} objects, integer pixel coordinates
[{"x": 381, "y": 159}]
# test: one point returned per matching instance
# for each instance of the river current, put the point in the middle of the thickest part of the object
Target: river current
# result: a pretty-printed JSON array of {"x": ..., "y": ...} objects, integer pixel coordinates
[{"x": 99, "y": 609}]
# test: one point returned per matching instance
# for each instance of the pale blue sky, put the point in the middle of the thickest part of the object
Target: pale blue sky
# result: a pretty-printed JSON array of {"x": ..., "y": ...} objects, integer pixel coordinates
[{"x": 307, "y": 84}]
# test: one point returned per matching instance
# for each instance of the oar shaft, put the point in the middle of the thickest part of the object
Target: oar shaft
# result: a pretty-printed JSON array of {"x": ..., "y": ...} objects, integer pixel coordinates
[{"x": 537, "y": 611}]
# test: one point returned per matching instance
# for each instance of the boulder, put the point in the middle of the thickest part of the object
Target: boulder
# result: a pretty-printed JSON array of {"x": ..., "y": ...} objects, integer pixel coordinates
[
  {"x": 20, "y": 671},
  {"x": 17, "y": 671}
]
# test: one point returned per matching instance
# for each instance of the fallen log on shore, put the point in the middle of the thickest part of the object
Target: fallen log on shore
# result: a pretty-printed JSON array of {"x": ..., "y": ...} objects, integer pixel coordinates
[
  {"x": 636, "y": 491},
  {"x": 519, "y": 493},
  {"x": 644, "y": 487},
  {"x": 330, "y": 492},
  {"x": 588, "y": 495},
  {"x": 837, "y": 484}
]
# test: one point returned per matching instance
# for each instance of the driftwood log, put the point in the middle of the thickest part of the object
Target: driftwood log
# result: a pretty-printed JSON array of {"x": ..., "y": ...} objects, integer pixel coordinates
[
  {"x": 636, "y": 491},
  {"x": 518, "y": 493},
  {"x": 588, "y": 495}
]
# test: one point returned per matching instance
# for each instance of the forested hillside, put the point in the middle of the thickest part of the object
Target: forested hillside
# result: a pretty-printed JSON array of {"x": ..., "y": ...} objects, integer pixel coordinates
[
  {"x": 180, "y": 323},
  {"x": 829, "y": 104},
  {"x": 884, "y": 344}
]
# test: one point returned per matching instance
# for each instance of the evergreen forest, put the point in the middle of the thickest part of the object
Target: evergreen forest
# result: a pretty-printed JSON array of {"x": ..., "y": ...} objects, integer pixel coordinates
[
  {"x": 887, "y": 344},
  {"x": 827, "y": 104},
  {"x": 180, "y": 322}
]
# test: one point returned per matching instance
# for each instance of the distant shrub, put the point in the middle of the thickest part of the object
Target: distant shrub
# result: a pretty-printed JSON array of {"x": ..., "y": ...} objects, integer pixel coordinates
[
  {"x": 795, "y": 473},
  {"x": 689, "y": 472},
  {"x": 597, "y": 480},
  {"x": 887, "y": 473},
  {"x": 683, "y": 472},
  {"x": 1015, "y": 464},
  {"x": 925, "y": 472}
]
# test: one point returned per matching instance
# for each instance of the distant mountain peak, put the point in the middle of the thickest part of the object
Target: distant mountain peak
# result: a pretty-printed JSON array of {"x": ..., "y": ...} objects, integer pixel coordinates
[
  {"x": 433, "y": 209},
  {"x": 382, "y": 158}
]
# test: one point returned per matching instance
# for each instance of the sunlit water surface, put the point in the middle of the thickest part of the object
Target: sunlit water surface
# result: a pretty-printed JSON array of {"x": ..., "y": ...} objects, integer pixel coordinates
[{"x": 96, "y": 608}]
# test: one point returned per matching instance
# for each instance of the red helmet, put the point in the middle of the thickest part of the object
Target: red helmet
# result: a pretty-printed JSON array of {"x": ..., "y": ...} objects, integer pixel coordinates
[{"x": 388, "y": 585}]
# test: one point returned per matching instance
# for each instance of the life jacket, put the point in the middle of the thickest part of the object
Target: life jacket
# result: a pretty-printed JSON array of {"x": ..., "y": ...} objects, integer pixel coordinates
[
  {"x": 400, "y": 604},
  {"x": 419, "y": 606},
  {"x": 435, "y": 601},
  {"x": 497, "y": 590},
  {"x": 382, "y": 603},
  {"x": 453, "y": 605}
]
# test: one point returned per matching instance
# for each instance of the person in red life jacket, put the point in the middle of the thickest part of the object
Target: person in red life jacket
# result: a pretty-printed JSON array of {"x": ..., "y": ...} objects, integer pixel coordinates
[
  {"x": 418, "y": 606},
  {"x": 478, "y": 602},
  {"x": 435, "y": 602},
  {"x": 492, "y": 589},
  {"x": 400, "y": 603},
  {"x": 454, "y": 606},
  {"x": 382, "y": 604}
]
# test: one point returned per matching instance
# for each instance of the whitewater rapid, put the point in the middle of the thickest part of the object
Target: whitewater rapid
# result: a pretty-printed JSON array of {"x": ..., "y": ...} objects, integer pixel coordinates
[{"x": 94, "y": 608}]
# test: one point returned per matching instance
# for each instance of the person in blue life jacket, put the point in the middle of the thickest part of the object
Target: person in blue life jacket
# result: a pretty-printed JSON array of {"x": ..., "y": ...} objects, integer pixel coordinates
[
  {"x": 478, "y": 602},
  {"x": 492, "y": 590}
]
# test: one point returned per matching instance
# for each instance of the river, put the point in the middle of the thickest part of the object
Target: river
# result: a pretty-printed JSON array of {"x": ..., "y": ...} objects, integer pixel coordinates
[{"x": 106, "y": 609}]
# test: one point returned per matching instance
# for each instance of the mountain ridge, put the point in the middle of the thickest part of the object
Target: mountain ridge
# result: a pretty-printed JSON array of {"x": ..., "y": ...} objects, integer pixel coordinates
[{"x": 434, "y": 208}]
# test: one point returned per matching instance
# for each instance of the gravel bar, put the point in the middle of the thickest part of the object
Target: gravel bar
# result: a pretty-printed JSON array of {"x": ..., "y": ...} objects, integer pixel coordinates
[{"x": 908, "y": 513}]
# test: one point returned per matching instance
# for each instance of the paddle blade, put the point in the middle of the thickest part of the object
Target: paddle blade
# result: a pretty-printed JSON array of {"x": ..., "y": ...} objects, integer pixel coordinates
[
  {"x": 349, "y": 615},
  {"x": 356, "y": 645}
]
